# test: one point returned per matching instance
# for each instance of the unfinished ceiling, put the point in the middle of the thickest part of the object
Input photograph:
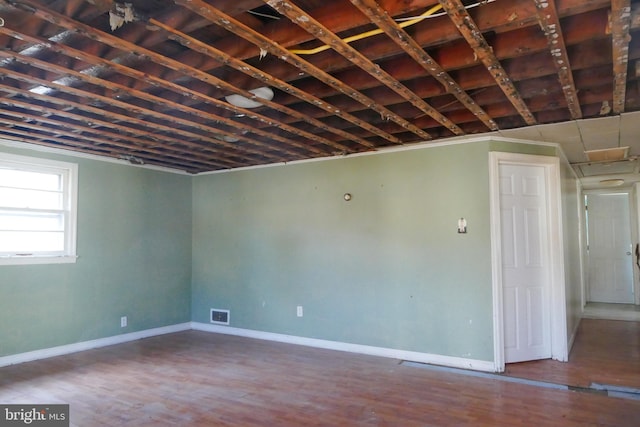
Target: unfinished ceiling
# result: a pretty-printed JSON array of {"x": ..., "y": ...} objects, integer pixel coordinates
[{"x": 150, "y": 81}]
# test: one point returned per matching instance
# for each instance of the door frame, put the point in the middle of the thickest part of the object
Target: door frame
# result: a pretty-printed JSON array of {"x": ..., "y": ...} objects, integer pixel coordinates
[
  {"x": 635, "y": 236},
  {"x": 634, "y": 206},
  {"x": 557, "y": 303}
]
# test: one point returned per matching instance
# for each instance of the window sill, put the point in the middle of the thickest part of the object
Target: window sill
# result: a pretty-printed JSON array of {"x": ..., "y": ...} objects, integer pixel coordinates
[{"x": 28, "y": 260}]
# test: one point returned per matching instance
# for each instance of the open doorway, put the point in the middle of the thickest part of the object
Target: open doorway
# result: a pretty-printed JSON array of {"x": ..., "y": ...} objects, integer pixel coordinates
[{"x": 611, "y": 288}]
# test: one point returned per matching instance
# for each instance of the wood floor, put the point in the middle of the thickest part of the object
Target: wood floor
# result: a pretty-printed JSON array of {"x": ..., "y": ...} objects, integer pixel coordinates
[
  {"x": 201, "y": 379},
  {"x": 604, "y": 352},
  {"x": 600, "y": 310}
]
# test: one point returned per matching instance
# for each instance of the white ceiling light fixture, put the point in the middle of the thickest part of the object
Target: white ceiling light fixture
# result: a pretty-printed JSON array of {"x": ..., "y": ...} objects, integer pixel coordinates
[
  {"x": 614, "y": 182},
  {"x": 244, "y": 102},
  {"x": 226, "y": 138}
]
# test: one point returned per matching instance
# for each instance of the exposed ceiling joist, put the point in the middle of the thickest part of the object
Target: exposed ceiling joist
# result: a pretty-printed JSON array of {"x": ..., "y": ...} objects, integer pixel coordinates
[
  {"x": 126, "y": 46},
  {"x": 620, "y": 24},
  {"x": 265, "y": 44},
  {"x": 470, "y": 31},
  {"x": 394, "y": 30},
  {"x": 256, "y": 73},
  {"x": 550, "y": 24},
  {"x": 357, "y": 75},
  {"x": 301, "y": 18}
]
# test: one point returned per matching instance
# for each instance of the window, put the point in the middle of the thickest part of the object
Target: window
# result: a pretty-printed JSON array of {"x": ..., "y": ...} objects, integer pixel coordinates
[{"x": 37, "y": 210}]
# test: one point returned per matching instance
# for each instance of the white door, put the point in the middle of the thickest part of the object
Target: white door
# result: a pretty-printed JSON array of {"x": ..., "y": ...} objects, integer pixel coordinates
[
  {"x": 609, "y": 248},
  {"x": 526, "y": 272}
]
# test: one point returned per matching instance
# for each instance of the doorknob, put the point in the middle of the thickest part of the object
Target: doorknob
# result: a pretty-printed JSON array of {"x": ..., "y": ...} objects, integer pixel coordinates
[{"x": 628, "y": 253}]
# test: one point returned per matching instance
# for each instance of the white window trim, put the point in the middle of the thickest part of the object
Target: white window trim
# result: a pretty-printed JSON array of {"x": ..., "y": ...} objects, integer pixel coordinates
[{"x": 35, "y": 163}]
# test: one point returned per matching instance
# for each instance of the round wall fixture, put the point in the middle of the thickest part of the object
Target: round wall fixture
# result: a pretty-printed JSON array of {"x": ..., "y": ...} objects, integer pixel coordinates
[
  {"x": 244, "y": 102},
  {"x": 347, "y": 196}
]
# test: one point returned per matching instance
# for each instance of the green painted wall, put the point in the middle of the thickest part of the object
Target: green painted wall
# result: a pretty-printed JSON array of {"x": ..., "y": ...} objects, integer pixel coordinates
[
  {"x": 134, "y": 247},
  {"x": 572, "y": 203},
  {"x": 385, "y": 269}
]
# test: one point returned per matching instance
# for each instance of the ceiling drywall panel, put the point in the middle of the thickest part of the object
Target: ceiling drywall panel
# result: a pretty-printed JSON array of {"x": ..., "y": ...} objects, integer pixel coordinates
[
  {"x": 601, "y": 133},
  {"x": 630, "y": 132},
  {"x": 573, "y": 151},
  {"x": 566, "y": 132}
]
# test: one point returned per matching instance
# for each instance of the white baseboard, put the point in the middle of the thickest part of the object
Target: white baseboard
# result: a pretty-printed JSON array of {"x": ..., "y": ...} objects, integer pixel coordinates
[
  {"x": 88, "y": 345},
  {"x": 606, "y": 314},
  {"x": 572, "y": 338},
  {"x": 413, "y": 356}
]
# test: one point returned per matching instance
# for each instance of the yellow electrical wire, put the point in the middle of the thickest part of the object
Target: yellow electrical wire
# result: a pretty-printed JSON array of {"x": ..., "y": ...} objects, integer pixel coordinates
[{"x": 367, "y": 34}]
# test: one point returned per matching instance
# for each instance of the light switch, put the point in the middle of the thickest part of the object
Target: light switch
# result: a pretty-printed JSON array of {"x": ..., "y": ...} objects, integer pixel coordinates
[{"x": 462, "y": 226}]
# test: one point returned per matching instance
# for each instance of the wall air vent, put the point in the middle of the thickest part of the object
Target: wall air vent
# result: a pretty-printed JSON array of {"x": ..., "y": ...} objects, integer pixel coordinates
[{"x": 220, "y": 317}]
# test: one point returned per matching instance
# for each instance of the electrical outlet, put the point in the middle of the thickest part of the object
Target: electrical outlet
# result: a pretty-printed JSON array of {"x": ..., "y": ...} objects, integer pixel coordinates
[
  {"x": 299, "y": 311},
  {"x": 123, "y": 322}
]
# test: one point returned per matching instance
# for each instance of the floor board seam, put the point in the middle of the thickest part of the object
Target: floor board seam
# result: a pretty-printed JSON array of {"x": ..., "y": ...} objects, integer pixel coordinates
[{"x": 594, "y": 388}]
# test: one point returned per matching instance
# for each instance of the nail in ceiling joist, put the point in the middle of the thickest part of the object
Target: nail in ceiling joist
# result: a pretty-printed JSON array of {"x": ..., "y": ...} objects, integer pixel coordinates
[
  {"x": 115, "y": 42},
  {"x": 304, "y": 20},
  {"x": 216, "y": 16},
  {"x": 382, "y": 19},
  {"x": 470, "y": 31},
  {"x": 254, "y": 72},
  {"x": 550, "y": 24},
  {"x": 620, "y": 23}
]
